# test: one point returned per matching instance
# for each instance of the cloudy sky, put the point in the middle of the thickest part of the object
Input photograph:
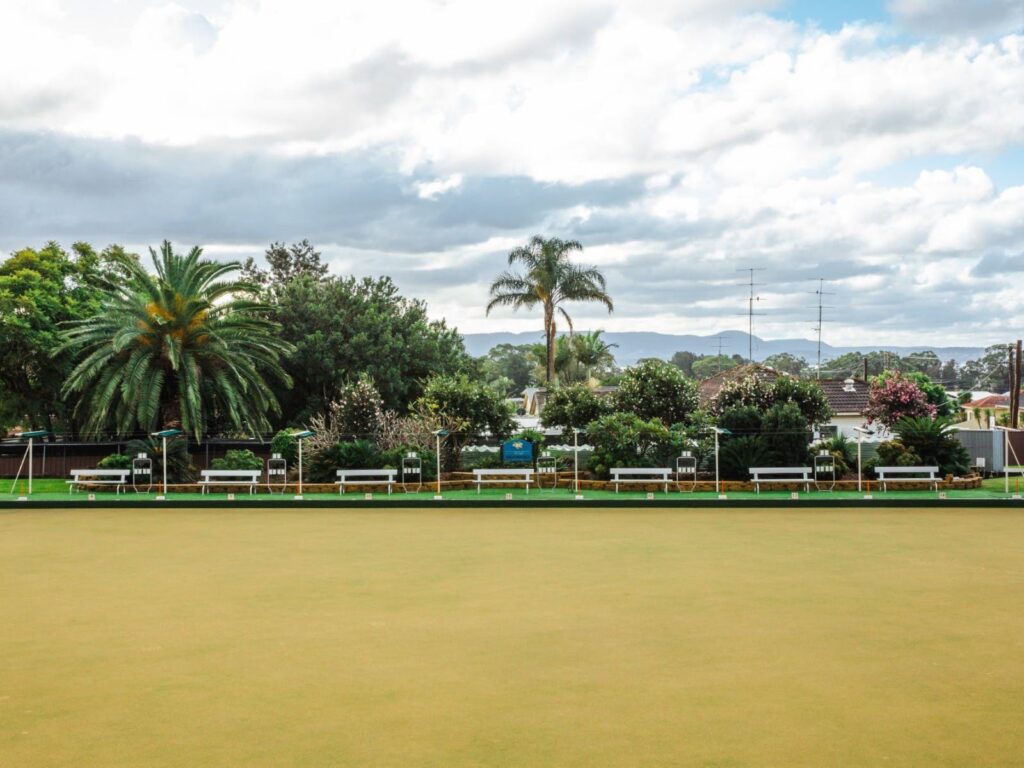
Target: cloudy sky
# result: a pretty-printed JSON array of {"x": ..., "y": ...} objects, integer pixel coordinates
[{"x": 876, "y": 144}]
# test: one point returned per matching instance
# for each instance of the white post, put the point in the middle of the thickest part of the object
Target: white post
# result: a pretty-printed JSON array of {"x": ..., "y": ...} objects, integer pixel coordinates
[
  {"x": 30, "y": 458},
  {"x": 438, "y": 457},
  {"x": 1006, "y": 461},
  {"x": 300, "y": 467},
  {"x": 860, "y": 475},
  {"x": 164, "y": 439},
  {"x": 576, "y": 460},
  {"x": 716, "y": 463}
]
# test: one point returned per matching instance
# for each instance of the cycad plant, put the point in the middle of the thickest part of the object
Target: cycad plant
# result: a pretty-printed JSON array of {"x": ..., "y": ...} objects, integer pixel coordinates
[
  {"x": 935, "y": 441},
  {"x": 549, "y": 280},
  {"x": 185, "y": 347}
]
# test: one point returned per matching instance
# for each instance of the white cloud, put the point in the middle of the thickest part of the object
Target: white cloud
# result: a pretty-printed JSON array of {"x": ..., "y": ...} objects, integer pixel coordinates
[
  {"x": 431, "y": 190},
  {"x": 726, "y": 136}
]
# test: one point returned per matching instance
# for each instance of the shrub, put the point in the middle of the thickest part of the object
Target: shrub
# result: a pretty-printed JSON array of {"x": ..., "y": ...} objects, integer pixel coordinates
[
  {"x": 761, "y": 393},
  {"x": 115, "y": 461},
  {"x": 477, "y": 407},
  {"x": 238, "y": 459},
  {"x": 741, "y": 420},
  {"x": 892, "y": 453},
  {"x": 843, "y": 451},
  {"x": 654, "y": 389},
  {"x": 179, "y": 464},
  {"x": 935, "y": 442},
  {"x": 626, "y": 440},
  {"x": 285, "y": 444},
  {"x": 786, "y": 434},
  {"x": 738, "y": 454},
  {"x": 392, "y": 459},
  {"x": 895, "y": 397},
  {"x": 573, "y": 407},
  {"x": 354, "y": 454}
]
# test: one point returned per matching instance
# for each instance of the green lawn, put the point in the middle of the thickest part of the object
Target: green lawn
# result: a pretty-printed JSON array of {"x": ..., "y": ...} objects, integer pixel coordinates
[
  {"x": 56, "y": 489},
  {"x": 511, "y": 637}
]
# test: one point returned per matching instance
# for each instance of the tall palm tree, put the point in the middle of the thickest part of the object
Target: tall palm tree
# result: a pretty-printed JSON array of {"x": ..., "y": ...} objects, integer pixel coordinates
[
  {"x": 592, "y": 351},
  {"x": 176, "y": 349},
  {"x": 550, "y": 278}
]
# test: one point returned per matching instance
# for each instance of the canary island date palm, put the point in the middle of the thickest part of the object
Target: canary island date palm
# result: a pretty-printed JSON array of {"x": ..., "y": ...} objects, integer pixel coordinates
[
  {"x": 549, "y": 279},
  {"x": 185, "y": 347}
]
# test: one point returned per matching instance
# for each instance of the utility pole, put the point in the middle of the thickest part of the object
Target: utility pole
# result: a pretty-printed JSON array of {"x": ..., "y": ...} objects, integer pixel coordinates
[
  {"x": 718, "y": 359},
  {"x": 750, "y": 310},
  {"x": 821, "y": 293}
]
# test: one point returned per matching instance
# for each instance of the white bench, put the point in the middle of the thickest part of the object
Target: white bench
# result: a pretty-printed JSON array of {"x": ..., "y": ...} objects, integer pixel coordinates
[
  {"x": 515, "y": 476},
  {"x": 366, "y": 477},
  {"x": 761, "y": 475},
  {"x": 247, "y": 477},
  {"x": 923, "y": 474},
  {"x": 640, "y": 475},
  {"x": 116, "y": 477}
]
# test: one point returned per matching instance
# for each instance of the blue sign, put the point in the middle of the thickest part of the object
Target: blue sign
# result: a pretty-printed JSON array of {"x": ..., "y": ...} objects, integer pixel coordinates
[{"x": 517, "y": 452}]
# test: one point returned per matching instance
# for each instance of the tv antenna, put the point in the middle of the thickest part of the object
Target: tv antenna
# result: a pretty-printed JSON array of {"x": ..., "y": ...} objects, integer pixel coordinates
[
  {"x": 750, "y": 309},
  {"x": 821, "y": 294}
]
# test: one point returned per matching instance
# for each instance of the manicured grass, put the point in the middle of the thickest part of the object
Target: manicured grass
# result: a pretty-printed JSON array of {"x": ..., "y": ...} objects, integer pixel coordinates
[
  {"x": 511, "y": 638},
  {"x": 55, "y": 489}
]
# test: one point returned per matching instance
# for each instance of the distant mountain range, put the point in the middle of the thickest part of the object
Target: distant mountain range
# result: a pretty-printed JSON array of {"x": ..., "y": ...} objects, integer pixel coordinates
[{"x": 633, "y": 346}]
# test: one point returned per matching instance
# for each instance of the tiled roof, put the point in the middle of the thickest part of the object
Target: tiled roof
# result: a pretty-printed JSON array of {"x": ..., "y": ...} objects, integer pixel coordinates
[
  {"x": 843, "y": 402},
  {"x": 992, "y": 401}
]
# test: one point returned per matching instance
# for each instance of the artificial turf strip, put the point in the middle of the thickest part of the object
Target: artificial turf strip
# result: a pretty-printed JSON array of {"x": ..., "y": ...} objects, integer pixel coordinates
[{"x": 532, "y": 638}]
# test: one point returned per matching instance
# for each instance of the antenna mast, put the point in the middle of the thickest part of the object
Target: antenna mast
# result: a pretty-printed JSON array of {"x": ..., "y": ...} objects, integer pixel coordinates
[
  {"x": 821, "y": 293},
  {"x": 750, "y": 310}
]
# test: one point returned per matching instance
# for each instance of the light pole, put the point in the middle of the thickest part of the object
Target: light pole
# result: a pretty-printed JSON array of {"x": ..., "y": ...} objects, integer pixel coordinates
[
  {"x": 29, "y": 454},
  {"x": 163, "y": 435},
  {"x": 576, "y": 460},
  {"x": 299, "y": 436},
  {"x": 438, "y": 435},
  {"x": 861, "y": 431},
  {"x": 718, "y": 431}
]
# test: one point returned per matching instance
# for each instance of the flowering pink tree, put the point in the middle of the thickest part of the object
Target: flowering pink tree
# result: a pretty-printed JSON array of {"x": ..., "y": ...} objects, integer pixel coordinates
[{"x": 891, "y": 399}]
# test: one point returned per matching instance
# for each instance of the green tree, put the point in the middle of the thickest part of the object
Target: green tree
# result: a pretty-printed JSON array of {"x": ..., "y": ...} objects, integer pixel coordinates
[
  {"x": 511, "y": 362},
  {"x": 787, "y": 363},
  {"x": 684, "y": 361},
  {"x": 991, "y": 371},
  {"x": 706, "y": 367},
  {"x": 592, "y": 352},
  {"x": 185, "y": 346},
  {"x": 786, "y": 434},
  {"x": 574, "y": 406},
  {"x": 656, "y": 389},
  {"x": 550, "y": 280},
  {"x": 762, "y": 393},
  {"x": 40, "y": 290},
  {"x": 476, "y": 407},
  {"x": 935, "y": 394},
  {"x": 626, "y": 440},
  {"x": 344, "y": 327},
  {"x": 284, "y": 264}
]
